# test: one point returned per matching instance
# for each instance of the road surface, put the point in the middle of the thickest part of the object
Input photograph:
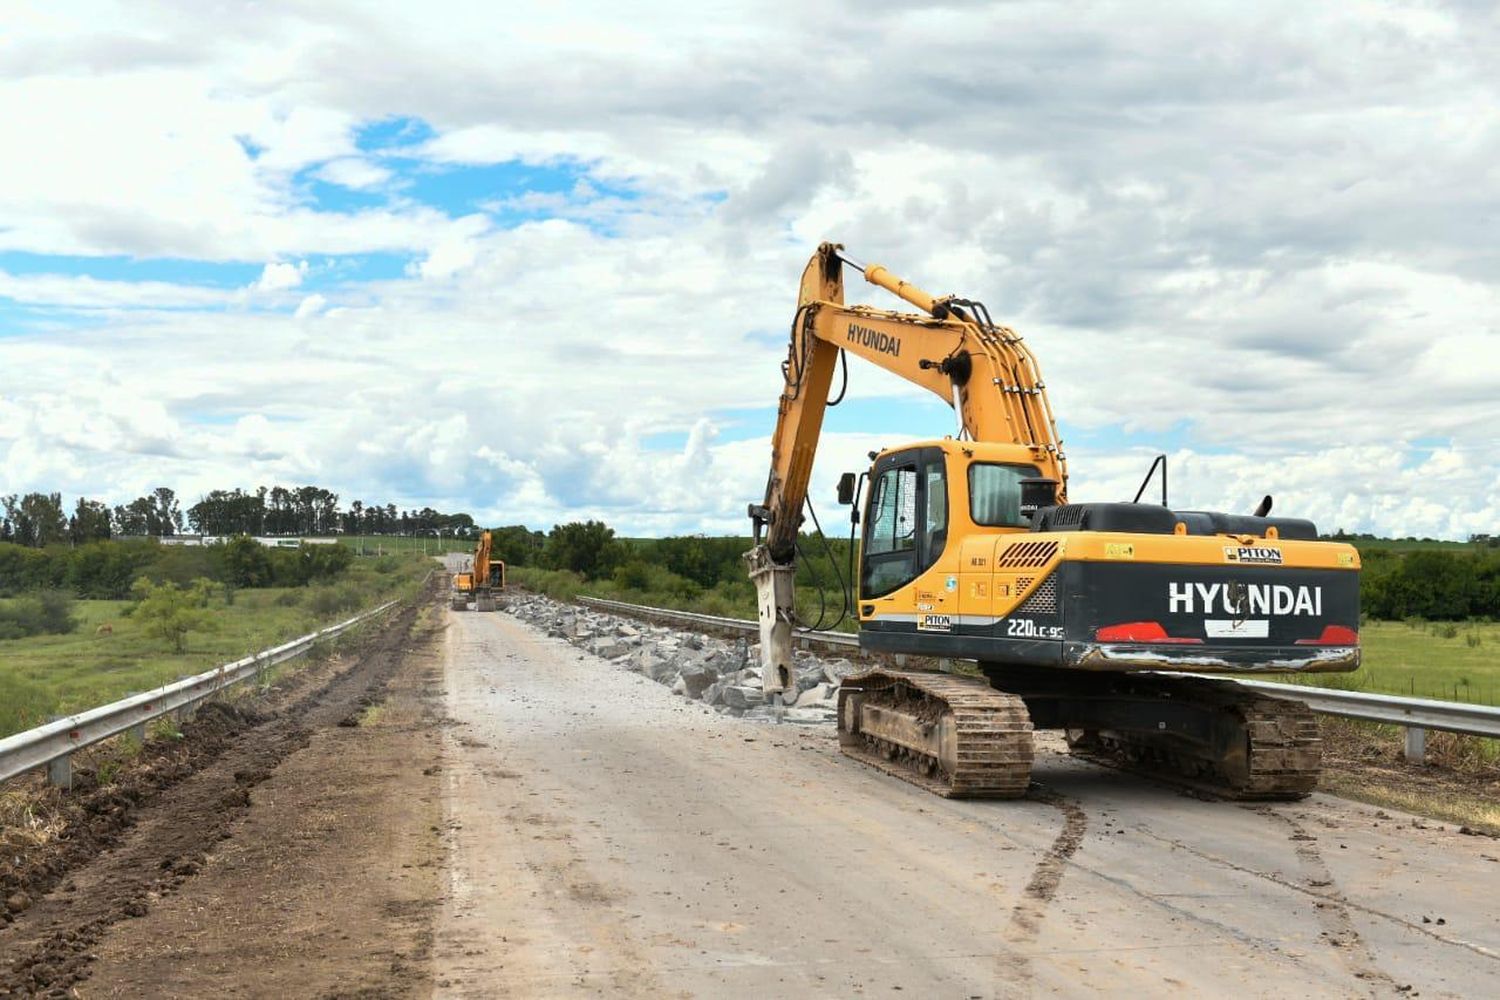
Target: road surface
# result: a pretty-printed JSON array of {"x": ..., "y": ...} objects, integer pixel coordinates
[{"x": 605, "y": 837}]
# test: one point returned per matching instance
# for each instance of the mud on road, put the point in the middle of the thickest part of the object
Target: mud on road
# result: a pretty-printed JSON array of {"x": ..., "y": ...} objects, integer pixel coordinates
[{"x": 288, "y": 844}]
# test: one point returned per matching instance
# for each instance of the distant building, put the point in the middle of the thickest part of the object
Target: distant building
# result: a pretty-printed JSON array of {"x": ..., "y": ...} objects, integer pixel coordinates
[{"x": 269, "y": 541}]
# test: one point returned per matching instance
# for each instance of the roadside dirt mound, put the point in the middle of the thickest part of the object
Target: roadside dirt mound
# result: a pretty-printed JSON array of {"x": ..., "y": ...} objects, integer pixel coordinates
[
  {"x": 67, "y": 829},
  {"x": 131, "y": 841}
]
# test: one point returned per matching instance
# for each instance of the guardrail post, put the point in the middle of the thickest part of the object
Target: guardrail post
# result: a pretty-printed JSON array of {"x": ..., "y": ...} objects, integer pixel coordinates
[
  {"x": 1416, "y": 744},
  {"x": 138, "y": 733},
  {"x": 60, "y": 772}
]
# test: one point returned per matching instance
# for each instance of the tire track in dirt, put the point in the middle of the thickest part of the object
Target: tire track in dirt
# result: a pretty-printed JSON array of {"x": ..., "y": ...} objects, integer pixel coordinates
[
  {"x": 49, "y": 948},
  {"x": 1287, "y": 883},
  {"x": 1015, "y": 973},
  {"x": 1332, "y": 909}
]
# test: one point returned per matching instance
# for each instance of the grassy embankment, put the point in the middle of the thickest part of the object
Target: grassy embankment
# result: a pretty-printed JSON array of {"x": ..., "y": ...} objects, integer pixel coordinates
[{"x": 49, "y": 675}]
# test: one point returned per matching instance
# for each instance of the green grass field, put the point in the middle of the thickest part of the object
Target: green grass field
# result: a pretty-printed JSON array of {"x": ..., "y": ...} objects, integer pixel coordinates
[
  {"x": 49, "y": 675},
  {"x": 1423, "y": 659}
]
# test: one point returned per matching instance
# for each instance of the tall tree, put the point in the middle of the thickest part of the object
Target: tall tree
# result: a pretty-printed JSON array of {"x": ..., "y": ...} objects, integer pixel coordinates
[
  {"x": 167, "y": 517},
  {"x": 589, "y": 548},
  {"x": 138, "y": 517},
  {"x": 36, "y": 519},
  {"x": 90, "y": 522}
]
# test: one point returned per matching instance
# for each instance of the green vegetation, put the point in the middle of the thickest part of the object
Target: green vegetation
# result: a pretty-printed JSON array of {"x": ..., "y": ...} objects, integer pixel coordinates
[
  {"x": 1431, "y": 583},
  {"x": 47, "y": 613},
  {"x": 692, "y": 572},
  {"x": 1443, "y": 660},
  {"x": 115, "y": 651},
  {"x": 170, "y": 612}
]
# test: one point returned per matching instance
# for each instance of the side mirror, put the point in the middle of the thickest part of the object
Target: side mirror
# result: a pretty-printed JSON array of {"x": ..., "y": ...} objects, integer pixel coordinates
[{"x": 846, "y": 488}]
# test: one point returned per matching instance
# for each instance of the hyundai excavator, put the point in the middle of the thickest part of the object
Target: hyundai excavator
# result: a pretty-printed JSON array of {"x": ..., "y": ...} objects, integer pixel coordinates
[
  {"x": 479, "y": 583},
  {"x": 1082, "y": 617}
]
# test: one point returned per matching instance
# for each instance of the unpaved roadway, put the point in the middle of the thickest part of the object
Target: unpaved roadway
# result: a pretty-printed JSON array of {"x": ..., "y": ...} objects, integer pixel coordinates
[
  {"x": 607, "y": 838},
  {"x": 467, "y": 808}
]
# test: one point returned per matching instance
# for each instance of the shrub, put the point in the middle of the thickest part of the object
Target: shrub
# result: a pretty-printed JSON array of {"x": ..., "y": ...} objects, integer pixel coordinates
[
  {"x": 168, "y": 612},
  {"x": 47, "y": 613},
  {"x": 325, "y": 601}
]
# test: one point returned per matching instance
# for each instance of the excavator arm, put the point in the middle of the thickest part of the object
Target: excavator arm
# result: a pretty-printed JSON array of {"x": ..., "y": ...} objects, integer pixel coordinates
[{"x": 952, "y": 349}]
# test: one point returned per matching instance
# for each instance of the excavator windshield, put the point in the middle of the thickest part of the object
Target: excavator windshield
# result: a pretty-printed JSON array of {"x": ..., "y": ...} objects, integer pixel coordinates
[{"x": 906, "y": 525}]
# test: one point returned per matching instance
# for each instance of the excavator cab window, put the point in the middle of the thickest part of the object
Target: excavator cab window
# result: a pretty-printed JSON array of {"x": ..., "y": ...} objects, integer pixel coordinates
[
  {"x": 906, "y": 525},
  {"x": 995, "y": 494}
]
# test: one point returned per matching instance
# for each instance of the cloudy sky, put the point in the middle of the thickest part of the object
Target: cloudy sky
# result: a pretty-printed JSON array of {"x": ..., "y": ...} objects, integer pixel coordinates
[{"x": 538, "y": 261}]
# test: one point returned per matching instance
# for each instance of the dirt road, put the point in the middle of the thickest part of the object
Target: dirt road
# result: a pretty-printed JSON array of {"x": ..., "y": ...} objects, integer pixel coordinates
[{"x": 607, "y": 838}]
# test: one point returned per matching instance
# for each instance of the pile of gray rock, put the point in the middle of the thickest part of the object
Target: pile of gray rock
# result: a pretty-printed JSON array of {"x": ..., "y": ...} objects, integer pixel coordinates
[{"x": 724, "y": 674}]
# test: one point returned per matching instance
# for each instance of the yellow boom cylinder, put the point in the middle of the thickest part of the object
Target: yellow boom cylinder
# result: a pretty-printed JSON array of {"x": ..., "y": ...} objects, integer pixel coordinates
[{"x": 876, "y": 274}]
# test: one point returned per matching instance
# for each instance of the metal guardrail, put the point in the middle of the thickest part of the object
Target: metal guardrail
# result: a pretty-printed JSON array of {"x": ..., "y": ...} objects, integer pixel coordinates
[
  {"x": 1417, "y": 715},
  {"x": 52, "y": 745}
]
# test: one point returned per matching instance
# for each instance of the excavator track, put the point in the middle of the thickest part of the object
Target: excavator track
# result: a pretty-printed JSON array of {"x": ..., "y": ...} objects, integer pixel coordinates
[
  {"x": 954, "y": 736},
  {"x": 1265, "y": 749}
]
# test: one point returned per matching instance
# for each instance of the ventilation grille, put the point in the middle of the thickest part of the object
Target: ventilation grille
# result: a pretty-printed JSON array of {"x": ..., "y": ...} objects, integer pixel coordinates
[
  {"x": 1026, "y": 555},
  {"x": 1067, "y": 516},
  {"x": 1043, "y": 601}
]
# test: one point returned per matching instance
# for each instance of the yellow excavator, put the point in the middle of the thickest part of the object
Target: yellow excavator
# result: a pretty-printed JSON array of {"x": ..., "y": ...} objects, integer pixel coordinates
[
  {"x": 1082, "y": 617},
  {"x": 479, "y": 583}
]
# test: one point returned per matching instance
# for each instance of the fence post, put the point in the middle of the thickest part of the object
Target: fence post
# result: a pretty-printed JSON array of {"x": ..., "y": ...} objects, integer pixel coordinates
[
  {"x": 60, "y": 772},
  {"x": 1416, "y": 744}
]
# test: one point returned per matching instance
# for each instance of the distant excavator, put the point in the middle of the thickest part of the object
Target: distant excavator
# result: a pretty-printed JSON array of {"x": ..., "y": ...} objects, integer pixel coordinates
[
  {"x": 479, "y": 583},
  {"x": 1078, "y": 615}
]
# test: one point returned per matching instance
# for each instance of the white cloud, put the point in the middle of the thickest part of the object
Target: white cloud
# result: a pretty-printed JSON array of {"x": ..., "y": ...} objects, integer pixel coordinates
[
  {"x": 310, "y": 306},
  {"x": 355, "y": 172},
  {"x": 281, "y": 276}
]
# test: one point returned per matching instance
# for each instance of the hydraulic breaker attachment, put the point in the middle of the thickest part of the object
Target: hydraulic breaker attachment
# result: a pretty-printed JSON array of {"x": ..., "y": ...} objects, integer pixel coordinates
[{"x": 775, "y": 601}]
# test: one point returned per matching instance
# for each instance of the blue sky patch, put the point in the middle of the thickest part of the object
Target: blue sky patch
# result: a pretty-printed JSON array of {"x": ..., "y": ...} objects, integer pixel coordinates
[
  {"x": 389, "y": 135},
  {"x": 18, "y": 319},
  {"x": 327, "y": 197},
  {"x": 667, "y": 441},
  {"x": 176, "y": 270},
  {"x": 462, "y": 190}
]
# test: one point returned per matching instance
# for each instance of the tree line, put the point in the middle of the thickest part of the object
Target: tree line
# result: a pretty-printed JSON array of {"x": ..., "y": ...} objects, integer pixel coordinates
[
  {"x": 107, "y": 569},
  {"x": 37, "y": 520}
]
